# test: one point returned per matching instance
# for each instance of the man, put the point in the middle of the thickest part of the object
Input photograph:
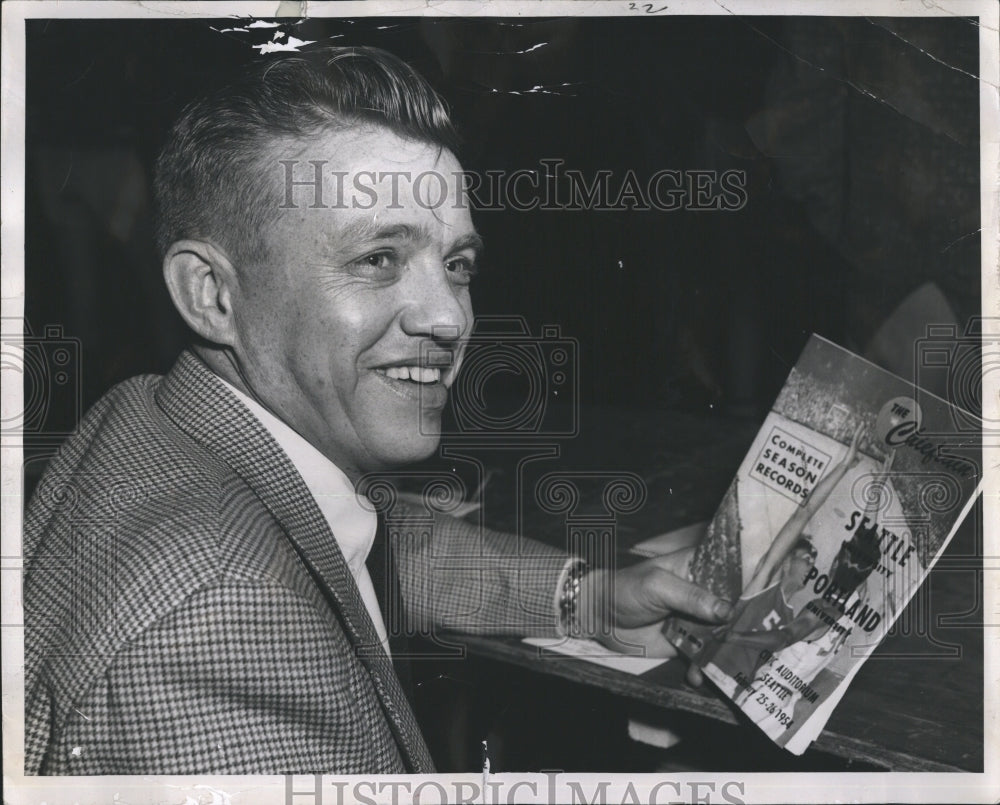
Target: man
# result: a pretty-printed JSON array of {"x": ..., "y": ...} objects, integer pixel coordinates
[
  {"x": 767, "y": 608},
  {"x": 763, "y": 608},
  {"x": 806, "y": 639},
  {"x": 197, "y": 598},
  {"x": 808, "y": 643}
]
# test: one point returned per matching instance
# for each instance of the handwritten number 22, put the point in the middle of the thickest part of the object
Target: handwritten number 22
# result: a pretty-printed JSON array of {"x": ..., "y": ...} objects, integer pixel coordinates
[{"x": 648, "y": 7}]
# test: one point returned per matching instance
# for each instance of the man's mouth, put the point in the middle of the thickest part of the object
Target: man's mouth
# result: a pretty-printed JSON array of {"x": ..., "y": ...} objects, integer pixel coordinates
[
  {"x": 414, "y": 374},
  {"x": 426, "y": 385},
  {"x": 438, "y": 366}
]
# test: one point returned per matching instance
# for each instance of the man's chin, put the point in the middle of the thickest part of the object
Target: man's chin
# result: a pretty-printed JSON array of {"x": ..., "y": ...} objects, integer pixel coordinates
[{"x": 414, "y": 448}]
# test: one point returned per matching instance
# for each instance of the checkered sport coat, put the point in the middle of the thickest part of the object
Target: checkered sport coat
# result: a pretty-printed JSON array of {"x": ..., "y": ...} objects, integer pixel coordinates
[{"x": 187, "y": 608}]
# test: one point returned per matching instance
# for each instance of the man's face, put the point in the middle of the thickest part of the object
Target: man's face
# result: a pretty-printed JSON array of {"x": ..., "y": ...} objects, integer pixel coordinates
[
  {"x": 352, "y": 329},
  {"x": 798, "y": 566}
]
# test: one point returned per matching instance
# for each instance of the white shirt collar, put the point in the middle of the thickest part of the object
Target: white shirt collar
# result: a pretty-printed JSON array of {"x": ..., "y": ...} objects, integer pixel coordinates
[{"x": 351, "y": 517}]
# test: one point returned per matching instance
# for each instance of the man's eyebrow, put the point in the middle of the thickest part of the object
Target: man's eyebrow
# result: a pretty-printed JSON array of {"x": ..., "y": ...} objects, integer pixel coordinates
[
  {"x": 364, "y": 231},
  {"x": 471, "y": 240}
]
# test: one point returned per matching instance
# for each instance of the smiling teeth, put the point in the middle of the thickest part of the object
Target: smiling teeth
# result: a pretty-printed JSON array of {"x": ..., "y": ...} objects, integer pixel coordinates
[{"x": 414, "y": 373}]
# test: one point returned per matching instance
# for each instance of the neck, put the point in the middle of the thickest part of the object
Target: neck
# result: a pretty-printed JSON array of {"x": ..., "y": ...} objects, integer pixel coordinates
[{"x": 222, "y": 361}]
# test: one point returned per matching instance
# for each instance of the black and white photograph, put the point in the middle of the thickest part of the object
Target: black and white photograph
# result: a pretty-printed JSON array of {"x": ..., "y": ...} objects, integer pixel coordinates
[{"x": 376, "y": 376}]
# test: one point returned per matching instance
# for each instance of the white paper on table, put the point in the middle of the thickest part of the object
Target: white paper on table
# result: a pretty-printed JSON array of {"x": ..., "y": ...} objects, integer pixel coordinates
[{"x": 594, "y": 652}]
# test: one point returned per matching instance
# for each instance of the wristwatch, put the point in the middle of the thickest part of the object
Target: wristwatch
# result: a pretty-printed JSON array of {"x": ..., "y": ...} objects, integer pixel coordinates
[{"x": 569, "y": 597}]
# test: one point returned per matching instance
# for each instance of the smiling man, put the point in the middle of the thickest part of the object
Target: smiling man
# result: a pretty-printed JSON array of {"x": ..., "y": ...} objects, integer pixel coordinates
[
  {"x": 197, "y": 591},
  {"x": 330, "y": 322}
]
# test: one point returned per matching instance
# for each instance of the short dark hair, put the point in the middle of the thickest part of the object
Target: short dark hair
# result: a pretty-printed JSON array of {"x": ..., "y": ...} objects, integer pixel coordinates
[
  {"x": 212, "y": 176},
  {"x": 805, "y": 543}
]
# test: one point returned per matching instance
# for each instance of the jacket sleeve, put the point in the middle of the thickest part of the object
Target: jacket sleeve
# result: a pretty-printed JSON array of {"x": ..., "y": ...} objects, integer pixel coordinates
[
  {"x": 242, "y": 678},
  {"x": 457, "y": 576}
]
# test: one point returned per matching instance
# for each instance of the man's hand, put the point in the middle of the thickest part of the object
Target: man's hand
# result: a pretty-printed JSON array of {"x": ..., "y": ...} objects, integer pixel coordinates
[
  {"x": 625, "y": 611},
  {"x": 852, "y": 452}
]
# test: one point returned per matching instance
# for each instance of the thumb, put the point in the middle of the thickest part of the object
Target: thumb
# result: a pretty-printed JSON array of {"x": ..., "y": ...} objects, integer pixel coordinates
[{"x": 670, "y": 593}]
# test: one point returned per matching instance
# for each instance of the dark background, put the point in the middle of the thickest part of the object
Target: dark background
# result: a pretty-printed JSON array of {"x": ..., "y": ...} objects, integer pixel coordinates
[
  {"x": 860, "y": 143},
  {"x": 859, "y": 139}
]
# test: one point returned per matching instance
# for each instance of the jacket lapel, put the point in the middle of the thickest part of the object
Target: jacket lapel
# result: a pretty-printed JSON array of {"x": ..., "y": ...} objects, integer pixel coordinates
[{"x": 199, "y": 403}]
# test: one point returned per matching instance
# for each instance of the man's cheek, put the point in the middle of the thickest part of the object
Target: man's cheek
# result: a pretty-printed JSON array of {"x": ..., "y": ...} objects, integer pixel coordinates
[{"x": 456, "y": 366}]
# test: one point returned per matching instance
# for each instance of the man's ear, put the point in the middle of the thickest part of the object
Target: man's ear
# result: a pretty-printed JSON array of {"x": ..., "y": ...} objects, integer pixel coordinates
[{"x": 201, "y": 281}]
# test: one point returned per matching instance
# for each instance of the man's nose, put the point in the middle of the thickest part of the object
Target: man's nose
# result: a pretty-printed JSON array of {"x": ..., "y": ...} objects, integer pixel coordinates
[{"x": 434, "y": 307}]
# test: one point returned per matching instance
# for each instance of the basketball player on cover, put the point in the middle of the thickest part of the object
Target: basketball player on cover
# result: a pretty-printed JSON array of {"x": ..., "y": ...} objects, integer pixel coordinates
[
  {"x": 763, "y": 607},
  {"x": 813, "y": 638}
]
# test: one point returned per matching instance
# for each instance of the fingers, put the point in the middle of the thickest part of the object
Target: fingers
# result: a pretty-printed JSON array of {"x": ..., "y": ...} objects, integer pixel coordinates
[
  {"x": 677, "y": 562},
  {"x": 694, "y": 675},
  {"x": 645, "y": 641},
  {"x": 852, "y": 451},
  {"x": 674, "y": 594},
  {"x": 857, "y": 435},
  {"x": 853, "y": 455},
  {"x": 648, "y": 592}
]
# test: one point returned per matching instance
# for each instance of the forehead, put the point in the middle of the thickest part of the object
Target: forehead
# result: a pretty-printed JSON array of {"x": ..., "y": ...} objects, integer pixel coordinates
[{"x": 354, "y": 182}]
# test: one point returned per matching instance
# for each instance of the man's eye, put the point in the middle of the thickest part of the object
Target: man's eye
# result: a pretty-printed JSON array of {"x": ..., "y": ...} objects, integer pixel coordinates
[
  {"x": 462, "y": 269},
  {"x": 376, "y": 263}
]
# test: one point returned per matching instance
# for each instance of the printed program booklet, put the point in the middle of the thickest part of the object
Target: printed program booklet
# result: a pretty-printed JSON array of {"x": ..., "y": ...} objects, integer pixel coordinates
[{"x": 851, "y": 490}]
